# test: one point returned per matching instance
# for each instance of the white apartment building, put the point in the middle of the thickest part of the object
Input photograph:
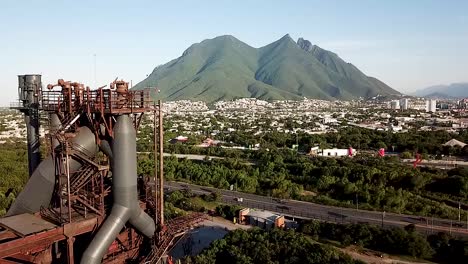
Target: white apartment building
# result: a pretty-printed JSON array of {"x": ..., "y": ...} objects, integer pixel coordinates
[
  {"x": 404, "y": 104},
  {"x": 395, "y": 104},
  {"x": 431, "y": 106}
]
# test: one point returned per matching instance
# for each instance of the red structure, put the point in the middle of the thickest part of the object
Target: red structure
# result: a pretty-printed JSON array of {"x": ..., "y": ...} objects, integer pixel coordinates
[
  {"x": 382, "y": 152},
  {"x": 417, "y": 160},
  {"x": 60, "y": 230}
]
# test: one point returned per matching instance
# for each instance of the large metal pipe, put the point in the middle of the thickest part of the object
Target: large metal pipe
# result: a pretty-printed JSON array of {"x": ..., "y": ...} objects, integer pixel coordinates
[
  {"x": 55, "y": 125},
  {"x": 29, "y": 92},
  {"x": 106, "y": 148},
  {"x": 126, "y": 206},
  {"x": 32, "y": 138},
  {"x": 38, "y": 191}
]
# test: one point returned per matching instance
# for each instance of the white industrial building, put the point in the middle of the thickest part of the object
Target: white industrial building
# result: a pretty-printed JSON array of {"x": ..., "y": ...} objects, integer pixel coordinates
[
  {"x": 265, "y": 219},
  {"x": 316, "y": 151}
]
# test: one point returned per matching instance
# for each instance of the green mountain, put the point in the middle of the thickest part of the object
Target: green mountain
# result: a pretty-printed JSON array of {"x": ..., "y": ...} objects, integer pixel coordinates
[{"x": 225, "y": 68}]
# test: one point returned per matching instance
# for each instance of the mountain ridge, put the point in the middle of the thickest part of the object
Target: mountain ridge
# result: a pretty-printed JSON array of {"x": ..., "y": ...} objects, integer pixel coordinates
[
  {"x": 454, "y": 90},
  {"x": 225, "y": 68}
]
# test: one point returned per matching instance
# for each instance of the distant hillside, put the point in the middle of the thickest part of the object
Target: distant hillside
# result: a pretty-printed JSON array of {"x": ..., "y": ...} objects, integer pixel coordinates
[
  {"x": 225, "y": 68},
  {"x": 455, "y": 90},
  {"x": 437, "y": 95}
]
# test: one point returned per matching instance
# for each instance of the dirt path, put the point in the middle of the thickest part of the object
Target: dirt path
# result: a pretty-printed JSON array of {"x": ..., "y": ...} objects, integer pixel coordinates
[{"x": 372, "y": 257}]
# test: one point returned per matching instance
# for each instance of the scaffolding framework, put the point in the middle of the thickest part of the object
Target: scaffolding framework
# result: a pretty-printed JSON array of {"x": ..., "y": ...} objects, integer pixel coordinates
[{"x": 79, "y": 203}]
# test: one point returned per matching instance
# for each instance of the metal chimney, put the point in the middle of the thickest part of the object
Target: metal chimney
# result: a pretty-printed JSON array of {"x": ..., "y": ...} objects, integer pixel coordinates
[{"x": 29, "y": 92}]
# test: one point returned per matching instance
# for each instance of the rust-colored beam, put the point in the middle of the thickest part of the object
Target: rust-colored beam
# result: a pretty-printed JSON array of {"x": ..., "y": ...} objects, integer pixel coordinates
[
  {"x": 28, "y": 244},
  {"x": 4, "y": 261},
  {"x": 84, "y": 202},
  {"x": 7, "y": 235},
  {"x": 32, "y": 242},
  {"x": 70, "y": 254},
  {"x": 23, "y": 257}
]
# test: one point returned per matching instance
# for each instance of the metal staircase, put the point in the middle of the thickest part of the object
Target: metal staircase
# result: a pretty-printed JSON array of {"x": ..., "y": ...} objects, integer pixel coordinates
[{"x": 173, "y": 229}]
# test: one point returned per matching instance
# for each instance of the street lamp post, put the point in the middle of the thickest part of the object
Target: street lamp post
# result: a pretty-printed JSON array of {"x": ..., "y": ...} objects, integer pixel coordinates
[
  {"x": 357, "y": 201},
  {"x": 383, "y": 216}
]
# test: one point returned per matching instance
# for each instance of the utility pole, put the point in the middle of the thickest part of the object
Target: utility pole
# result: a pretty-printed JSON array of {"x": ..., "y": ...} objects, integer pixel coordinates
[
  {"x": 357, "y": 201},
  {"x": 450, "y": 231},
  {"x": 459, "y": 211},
  {"x": 155, "y": 134},
  {"x": 383, "y": 216},
  {"x": 432, "y": 224},
  {"x": 161, "y": 167}
]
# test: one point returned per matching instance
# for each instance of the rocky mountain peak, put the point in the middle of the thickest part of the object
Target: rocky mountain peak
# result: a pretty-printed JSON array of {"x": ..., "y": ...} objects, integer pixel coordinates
[{"x": 304, "y": 44}]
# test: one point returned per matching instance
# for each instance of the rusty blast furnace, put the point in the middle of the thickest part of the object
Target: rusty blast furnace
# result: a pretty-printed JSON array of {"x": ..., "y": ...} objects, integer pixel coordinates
[{"x": 79, "y": 205}]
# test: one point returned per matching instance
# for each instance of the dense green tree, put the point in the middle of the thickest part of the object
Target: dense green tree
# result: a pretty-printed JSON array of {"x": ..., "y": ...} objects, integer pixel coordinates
[
  {"x": 13, "y": 172},
  {"x": 276, "y": 246},
  {"x": 393, "y": 241}
]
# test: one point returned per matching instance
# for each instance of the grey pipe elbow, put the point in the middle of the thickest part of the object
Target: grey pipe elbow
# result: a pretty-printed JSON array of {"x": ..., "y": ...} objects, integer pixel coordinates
[
  {"x": 124, "y": 189},
  {"x": 106, "y": 235},
  {"x": 143, "y": 223}
]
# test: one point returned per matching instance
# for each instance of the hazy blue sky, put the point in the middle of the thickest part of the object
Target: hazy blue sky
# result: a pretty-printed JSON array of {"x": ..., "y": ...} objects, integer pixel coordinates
[{"x": 407, "y": 44}]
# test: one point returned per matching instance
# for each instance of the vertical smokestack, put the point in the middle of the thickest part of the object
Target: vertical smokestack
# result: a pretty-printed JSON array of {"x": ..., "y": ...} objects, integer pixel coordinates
[
  {"x": 124, "y": 189},
  {"x": 29, "y": 91},
  {"x": 161, "y": 166}
]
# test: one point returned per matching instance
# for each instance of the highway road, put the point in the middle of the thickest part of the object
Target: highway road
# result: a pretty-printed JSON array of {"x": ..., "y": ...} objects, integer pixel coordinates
[
  {"x": 307, "y": 210},
  {"x": 185, "y": 156}
]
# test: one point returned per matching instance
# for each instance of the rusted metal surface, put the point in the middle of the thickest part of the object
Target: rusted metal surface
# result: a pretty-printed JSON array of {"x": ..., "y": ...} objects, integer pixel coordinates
[
  {"x": 77, "y": 206},
  {"x": 42, "y": 240},
  {"x": 117, "y": 100},
  {"x": 173, "y": 229},
  {"x": 70, "y": 251},
  {"x": 7, "y": 234},
  {"x": 126, "y": 247},
  {"x": 5, "y": 261},
  {"x": 23, "y": 258},
  {"x": 25, "y": 224}
]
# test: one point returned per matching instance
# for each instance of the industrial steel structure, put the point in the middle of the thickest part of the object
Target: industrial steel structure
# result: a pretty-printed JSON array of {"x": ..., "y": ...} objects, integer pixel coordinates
[{"x": 77, "y": 202}]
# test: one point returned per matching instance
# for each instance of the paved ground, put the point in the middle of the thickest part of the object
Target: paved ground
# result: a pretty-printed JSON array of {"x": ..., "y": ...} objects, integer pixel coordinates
[
  {"x": 186, "y": 156},
  {"x": 201, "y": 237},
  {"x": 308, "y": 210}
]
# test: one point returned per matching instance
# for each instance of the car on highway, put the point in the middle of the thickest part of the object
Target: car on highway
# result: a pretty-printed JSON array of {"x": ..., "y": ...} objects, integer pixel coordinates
[
  {"x": 239, "y": 199},
  {"x": 283, "y": 207},
  {"x": 281, "y": 201}
]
